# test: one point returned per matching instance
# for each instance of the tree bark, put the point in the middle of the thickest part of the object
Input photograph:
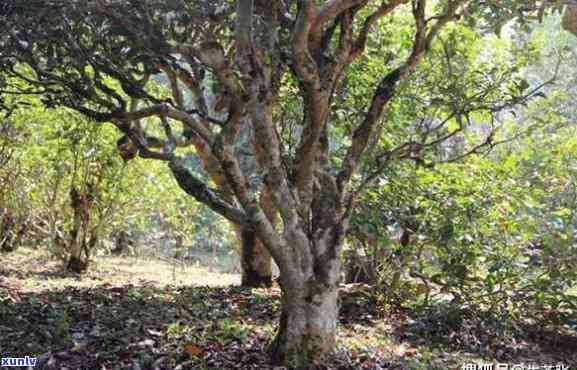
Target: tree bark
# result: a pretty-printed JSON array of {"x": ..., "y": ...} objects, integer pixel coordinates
[
  {"x": 255, "y": 259},
  {"x": 7, "y": 226},
  {"x": 313, "y": 203},
  {"x": 256, "y": 262},
  {"x": 570, "y": 20},
  {"x": 308, "y": 324},
  {"x": 309, "y": 317},
  {"x": 76, "y": 264},
  {"x": 80, "y": 256},
  {"x": 78, "y": 245}
]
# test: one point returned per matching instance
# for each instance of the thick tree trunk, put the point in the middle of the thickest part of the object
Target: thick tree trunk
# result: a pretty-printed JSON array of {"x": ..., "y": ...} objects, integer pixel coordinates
[
  {"x": 307, "y": 328},
  {"x": 309, "y": 317},
  {"x": 255, "y": 260}
]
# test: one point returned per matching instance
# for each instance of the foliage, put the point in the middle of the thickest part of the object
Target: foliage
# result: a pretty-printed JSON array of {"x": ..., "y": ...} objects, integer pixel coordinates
[
  {"x": 495, "y": 231},
  {"x": 48, "y": 152}
]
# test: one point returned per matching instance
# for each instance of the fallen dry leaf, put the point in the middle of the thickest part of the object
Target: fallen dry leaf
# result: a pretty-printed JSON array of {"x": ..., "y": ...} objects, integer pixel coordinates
[{"x": 193, "y": 350}]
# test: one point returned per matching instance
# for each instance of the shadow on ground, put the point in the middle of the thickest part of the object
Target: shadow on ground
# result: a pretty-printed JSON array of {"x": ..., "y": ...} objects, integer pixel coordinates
[
  {"x": 489, "y": 335},
  {"x": 147, "y": 327}
]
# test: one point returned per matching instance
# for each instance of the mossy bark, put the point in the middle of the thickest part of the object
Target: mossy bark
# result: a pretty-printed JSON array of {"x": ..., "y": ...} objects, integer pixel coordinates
[{"x": 307, "y": 329}]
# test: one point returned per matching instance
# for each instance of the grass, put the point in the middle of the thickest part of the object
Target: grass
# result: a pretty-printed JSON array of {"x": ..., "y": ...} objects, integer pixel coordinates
[{"x": 135, "y": 313}]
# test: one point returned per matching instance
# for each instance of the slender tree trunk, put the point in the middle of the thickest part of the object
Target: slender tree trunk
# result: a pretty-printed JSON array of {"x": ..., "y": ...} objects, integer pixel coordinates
[
  {"x": 80, "y": 252},
  {"x": 76, "y": 262},
  {"x": 7, "y": 226}
]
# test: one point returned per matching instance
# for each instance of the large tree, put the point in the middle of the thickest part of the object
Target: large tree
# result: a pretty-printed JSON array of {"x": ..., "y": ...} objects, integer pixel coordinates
[{"x": 240, "y": 62}]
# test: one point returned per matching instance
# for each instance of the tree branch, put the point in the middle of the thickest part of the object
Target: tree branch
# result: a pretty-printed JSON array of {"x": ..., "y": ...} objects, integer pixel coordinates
[
  {"x": 303, "y": 63},
  {"x": 196, "y": 188},
  {"x": 162, "y": 110},
  {"x": 388, "y": 86},
  {"x": 384, "y": 9}
]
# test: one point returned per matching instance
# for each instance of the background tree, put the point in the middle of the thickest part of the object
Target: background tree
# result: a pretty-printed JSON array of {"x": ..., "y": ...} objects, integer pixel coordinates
[
  {"x": 12, "y": 211},
  {"x": 64, "y": 180}
]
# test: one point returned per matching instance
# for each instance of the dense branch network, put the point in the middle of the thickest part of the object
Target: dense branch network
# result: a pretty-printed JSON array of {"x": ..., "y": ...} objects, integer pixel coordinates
[{"x": 172, "y": 75}]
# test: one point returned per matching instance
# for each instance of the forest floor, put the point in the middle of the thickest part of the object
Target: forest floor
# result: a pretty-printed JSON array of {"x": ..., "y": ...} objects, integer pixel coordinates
[{"x": 134, "y": 313}]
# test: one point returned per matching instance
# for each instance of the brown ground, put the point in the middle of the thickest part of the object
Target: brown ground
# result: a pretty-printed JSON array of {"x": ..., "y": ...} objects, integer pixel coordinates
[{"x": 135, "y": 313}]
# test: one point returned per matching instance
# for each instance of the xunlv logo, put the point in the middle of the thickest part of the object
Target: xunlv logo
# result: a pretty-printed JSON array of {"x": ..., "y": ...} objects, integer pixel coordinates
[{"x": 18, "y": 361}]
